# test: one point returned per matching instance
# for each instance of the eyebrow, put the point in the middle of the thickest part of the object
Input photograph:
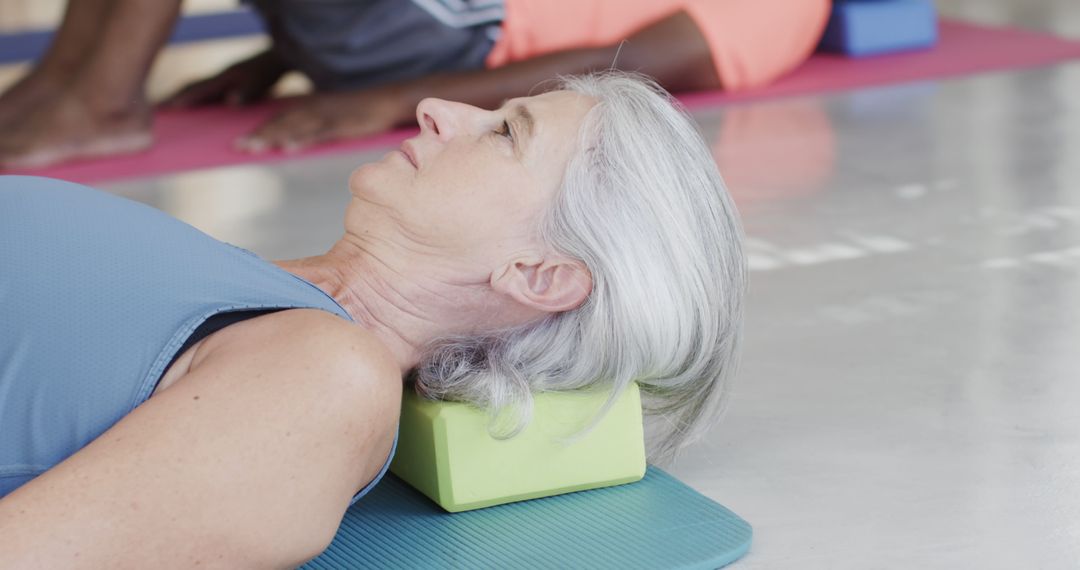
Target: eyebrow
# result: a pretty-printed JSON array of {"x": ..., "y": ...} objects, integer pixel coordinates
[{"x": 524, "y": 117}]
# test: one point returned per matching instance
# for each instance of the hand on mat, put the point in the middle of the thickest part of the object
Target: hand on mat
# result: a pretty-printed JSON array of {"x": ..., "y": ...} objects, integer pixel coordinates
[
  {"x": 326, "y": 117},
  {"x": 242, "y": 83}
]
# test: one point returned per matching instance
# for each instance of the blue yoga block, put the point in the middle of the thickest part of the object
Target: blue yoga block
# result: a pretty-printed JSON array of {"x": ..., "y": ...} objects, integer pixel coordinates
[
  {"x": 657, "y": 522},
  {"x": 873, "y": 27}
]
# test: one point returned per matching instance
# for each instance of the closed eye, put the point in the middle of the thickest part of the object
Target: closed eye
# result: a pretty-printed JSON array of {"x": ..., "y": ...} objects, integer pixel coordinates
[{"x": 505, "y": 131}]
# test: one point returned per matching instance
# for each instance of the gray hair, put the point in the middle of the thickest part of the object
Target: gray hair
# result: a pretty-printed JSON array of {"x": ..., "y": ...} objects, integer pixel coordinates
[{"x": 643, "y": 206}]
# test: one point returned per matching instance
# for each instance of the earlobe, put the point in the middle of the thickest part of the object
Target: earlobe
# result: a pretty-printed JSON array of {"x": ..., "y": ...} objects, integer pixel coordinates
[{"x": 552, "y": 285}]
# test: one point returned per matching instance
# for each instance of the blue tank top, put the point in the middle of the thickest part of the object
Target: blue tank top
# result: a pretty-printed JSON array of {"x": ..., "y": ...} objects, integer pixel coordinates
[{"x": 98, "y": 294}]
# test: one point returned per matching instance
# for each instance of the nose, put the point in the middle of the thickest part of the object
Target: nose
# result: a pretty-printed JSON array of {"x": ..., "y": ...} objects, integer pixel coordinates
[{"x": 445, "y": 119}]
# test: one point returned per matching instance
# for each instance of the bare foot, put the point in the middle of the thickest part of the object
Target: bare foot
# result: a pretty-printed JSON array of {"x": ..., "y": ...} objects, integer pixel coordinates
[
  {"x": 28, "y": 92},
  {"x": 66, "y": 128}
]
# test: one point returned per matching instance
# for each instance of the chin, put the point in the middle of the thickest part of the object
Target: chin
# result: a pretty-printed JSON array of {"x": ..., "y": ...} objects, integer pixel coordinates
[
  {"x": 366, "y": 177},
  {"x": 358, "y": 176},
  {"x": 376, "y": 178}
]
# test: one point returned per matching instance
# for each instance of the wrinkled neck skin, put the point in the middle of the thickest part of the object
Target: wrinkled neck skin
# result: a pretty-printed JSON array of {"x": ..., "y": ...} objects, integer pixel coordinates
[{"x": 407, "y": 298}]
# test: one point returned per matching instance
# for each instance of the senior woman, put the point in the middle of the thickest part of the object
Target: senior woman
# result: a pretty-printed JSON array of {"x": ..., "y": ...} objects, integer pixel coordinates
[{"x": 170, "y": 400}]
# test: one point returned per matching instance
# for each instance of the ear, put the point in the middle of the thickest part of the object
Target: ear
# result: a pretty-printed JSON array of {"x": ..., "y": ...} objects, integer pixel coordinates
[{"x": 551, "y": 285}]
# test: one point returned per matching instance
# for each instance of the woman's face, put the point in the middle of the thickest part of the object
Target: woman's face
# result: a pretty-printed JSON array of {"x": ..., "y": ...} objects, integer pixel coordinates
[{"x": 472, "y": 185}]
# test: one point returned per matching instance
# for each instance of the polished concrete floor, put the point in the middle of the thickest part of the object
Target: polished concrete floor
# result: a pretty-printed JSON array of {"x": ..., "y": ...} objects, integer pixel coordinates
[{"x": 910, "y": 391}]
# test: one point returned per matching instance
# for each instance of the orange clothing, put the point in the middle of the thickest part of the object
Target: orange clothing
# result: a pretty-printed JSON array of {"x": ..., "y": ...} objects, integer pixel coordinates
[{"x": 753, "y": 42}]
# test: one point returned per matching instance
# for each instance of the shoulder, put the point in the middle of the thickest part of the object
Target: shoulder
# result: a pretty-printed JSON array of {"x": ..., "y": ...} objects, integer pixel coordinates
[{"x": 324, "y": 350}]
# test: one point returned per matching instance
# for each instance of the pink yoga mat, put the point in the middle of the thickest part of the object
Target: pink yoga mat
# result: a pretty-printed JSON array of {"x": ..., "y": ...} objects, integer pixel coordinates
[{"x": 202, "y": 138}]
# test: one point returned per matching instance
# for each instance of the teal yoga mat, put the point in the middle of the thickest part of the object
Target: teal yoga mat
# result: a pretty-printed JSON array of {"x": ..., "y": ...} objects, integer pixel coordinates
[{"x": 657, "y": 522}]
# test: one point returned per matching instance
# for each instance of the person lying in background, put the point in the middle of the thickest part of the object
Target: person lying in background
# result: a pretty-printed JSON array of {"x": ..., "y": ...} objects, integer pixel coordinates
[{"x": 371, "y": 62}]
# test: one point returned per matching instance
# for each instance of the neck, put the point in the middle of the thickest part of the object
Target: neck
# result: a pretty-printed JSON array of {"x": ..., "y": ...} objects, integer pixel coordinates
[{"x": 403, "y": 304}]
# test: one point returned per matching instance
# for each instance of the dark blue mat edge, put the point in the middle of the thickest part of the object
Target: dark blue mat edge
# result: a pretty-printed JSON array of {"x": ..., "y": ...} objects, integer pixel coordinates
[{"x": 31, "y": 44}]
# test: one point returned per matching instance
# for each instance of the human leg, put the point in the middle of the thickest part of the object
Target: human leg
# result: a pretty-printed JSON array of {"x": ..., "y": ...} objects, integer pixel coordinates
[
  {"x": 74, "y": 40},
  {"x": 103, "y": 108}
]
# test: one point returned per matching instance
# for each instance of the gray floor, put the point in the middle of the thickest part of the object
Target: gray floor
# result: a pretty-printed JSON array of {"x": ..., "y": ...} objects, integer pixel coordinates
[{"x": 911, "y": 384}]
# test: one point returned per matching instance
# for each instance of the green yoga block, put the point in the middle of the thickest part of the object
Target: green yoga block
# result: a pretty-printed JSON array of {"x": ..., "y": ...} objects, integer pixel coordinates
[{"x": 445, "y": 452}]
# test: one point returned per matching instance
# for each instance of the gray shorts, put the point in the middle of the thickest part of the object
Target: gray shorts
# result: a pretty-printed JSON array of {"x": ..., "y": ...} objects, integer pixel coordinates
[{"x": 352, "y": 44}]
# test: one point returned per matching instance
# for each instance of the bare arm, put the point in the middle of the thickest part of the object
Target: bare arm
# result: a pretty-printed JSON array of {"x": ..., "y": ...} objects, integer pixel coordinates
[
  {"x": 672, "y": 50},
  {"x": 249, "y": 460},
  {"x": 242, "y": 83}
]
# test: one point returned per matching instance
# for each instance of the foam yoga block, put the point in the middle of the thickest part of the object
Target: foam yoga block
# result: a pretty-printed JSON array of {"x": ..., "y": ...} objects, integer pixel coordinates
[
  {"x": 658, "y": 522},
  {"x": 445, "y": 450},
  {"x": 873, "y": 27}
]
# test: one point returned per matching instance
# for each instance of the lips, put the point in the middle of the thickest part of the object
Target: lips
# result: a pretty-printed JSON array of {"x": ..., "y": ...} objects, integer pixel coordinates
[{"x": 410, "y": 153}]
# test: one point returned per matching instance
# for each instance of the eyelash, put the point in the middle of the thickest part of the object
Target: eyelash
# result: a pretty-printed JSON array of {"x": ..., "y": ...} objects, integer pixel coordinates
[{"x": 504, "y": 131}]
